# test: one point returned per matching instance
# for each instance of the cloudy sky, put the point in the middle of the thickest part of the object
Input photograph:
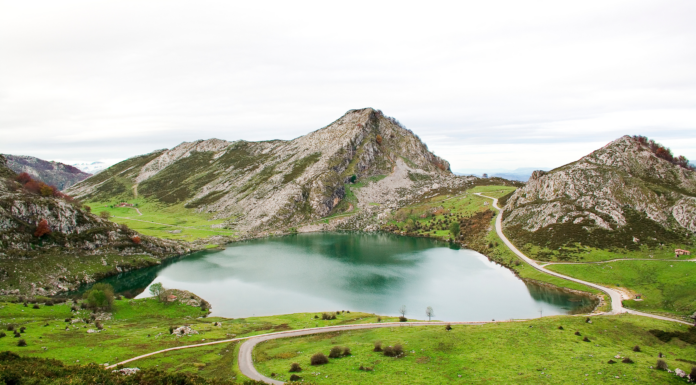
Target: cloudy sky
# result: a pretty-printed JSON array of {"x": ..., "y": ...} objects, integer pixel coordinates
[{"x": 486, "y": 84}]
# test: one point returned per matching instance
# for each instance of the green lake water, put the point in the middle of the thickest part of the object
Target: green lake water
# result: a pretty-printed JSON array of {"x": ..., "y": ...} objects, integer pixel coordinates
[{"x": 374, "y": 273}]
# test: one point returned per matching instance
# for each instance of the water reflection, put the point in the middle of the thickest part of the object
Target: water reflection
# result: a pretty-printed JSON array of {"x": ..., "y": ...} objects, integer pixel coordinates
[{"x": 376, "y": 273}]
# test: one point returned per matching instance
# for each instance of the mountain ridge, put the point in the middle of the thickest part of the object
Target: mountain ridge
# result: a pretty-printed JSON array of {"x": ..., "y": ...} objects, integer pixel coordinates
[{"x": 52, "y": 173}]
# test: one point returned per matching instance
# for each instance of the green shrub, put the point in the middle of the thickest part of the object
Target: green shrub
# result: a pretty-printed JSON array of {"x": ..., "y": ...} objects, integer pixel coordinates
[
  {"x": 2, "y": 334},
  {"x": 661, "y": 365},
  {"x": 389, "y": 351},
  {"x": 295, "y": 367},
  {"x": 295, "y": 377},
  {"x": 560, "y": 328},
  {"x": 611, "y": 362},
  {"x": 22, "y": 342},
  {"x": 402, "y": 319},
  {"x": 36, "y": 306},
  {"x": 627, "y": 360},
  {"x": 448, "y": 327},
  {"x": 335, "y": 352},
  {"x": 100, "y": 296},
  {"x": 378, "y": 346},
  {"x": 636, "y": 348},
  {"x": 586, "y": 339},
  {"x": 398, "y": 349},
  {"x": 22, "y": 329},
  {"x": 346, "y": 351},
  {"x": 319, "y": 359}
]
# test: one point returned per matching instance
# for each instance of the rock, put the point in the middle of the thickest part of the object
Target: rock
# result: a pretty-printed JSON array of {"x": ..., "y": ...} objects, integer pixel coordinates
[
  {"x": 126, "y": 371},
  {"x": 679, "y": 372},
  {"x": 183, "y": 331}
]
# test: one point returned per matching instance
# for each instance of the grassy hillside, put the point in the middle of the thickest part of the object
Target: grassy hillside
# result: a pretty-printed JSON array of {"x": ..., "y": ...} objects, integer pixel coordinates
[
  {"x": 665, "y": 287},
  {"x": 163, "y": 221},
  {"x": 532, "y": 352}
]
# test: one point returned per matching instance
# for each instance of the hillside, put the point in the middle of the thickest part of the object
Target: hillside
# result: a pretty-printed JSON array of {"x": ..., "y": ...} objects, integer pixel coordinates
[
  {"x": 43, "y": 233},
  {"x": 52, "y": 173},
  {"x": 620, "y": 197},
  {"x": 363, "y": 162}
]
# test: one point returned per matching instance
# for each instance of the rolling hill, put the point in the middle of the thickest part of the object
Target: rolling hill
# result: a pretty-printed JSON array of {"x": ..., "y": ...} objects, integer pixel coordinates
[{"x": 52, "y": 173}]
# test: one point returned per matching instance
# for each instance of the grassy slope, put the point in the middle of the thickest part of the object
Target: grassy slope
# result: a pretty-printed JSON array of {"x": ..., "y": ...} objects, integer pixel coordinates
[
  {"x": 168, "y": 218},
  {"x": 72, "y": 269},
  {"x": 142, "y": 326},
  {"x": 666, "y": 287},
  {"x": 536, "y": 352}
]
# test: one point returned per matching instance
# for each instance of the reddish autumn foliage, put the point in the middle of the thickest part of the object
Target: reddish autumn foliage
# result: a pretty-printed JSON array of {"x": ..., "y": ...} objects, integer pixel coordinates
[
  {"x": 136, "y": 240},
  {"x": 663, "y": 152},
  {"x": 379, "y": 139},
  {"x": 42, "y": 229},
  {"x": 23, "y": 178}
]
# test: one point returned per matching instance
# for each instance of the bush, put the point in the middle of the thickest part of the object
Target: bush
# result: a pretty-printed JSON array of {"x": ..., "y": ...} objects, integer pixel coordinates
[
  {"x": 295, "y": 367},
  {"x": 692, "y": 375},
  {"x": 611, "y": 362},
  {"x": 99, "y": 325},
  {"x": 16, "y": 334},
  {"x": 42, "y": 229},
  {"x": 335, "y": 352},
  {"x": 10, "y": 328},
  {"x": 378, "y": 346},
  {"x": 325, "y": 316},
  {"x": 661, "y": 365},
  {"x": 295, "y": 377},
  {"x": 378, "y": 139},
  {"x": 346, "y": 351},
  {"x": 627, "y": 360},
  {"x": 389, "y": 351},
  {"x": 171, "y": 330},
  {"x": 136, "y": 239},
  {"x": 560, "y": 328},
  {"x": 83, "y": 305},
  {"x": 22, "y": 342},
  {"x": 22, "y": 329},
  {"x": 316, "y": 316},
  {"x": 100, "y": 296},
  {"x": 398, "y": 349},
  {"x": 448, "y": 327},
  {"x": 2, "y": 334},
  {"x": 586, "y": 339},
  {"x": 36, "y": 306},
  {"x": 319, "y": 359},
  {"x": 402, "y": 319},
  {"x": 379, "y": 319},
  {"x": 636, "y": 348},
  {"x": 68, "y": 319},
  {"x": 577, "y": 333},
  {"x": 49, "y": 303},
  {"x": 104, "y": 215}
]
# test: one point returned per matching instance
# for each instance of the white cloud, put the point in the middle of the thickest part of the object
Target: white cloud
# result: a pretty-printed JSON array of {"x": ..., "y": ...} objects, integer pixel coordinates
[{"x": 106, "y": 80}]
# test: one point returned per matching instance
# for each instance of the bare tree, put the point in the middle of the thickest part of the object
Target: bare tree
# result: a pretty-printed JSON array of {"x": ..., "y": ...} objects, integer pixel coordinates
[
  {"x": 403, "y": 310},
  {"x": 429, "y": 312}
]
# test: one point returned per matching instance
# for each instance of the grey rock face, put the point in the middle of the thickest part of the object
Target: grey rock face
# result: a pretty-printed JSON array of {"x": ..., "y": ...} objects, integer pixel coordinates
[
  {"x": 52, "y": 173},
  {"x": 597, "y": 190}
]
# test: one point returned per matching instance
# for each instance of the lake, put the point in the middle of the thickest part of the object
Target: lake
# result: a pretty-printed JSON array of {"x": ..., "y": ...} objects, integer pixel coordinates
[{"x": 369, "y": 272}]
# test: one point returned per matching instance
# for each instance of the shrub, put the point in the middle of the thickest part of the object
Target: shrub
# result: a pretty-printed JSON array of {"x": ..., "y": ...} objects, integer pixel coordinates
[
  {"x": 295, "y": 377},
  {"x": 22, "y": 342},
  {"x": 587, "y": 320},
  {"x": 338, "y": 312},
  {"x": 104, "y": 215},
  {"x": 692, "y": 375},
  {"x": 378, "y": 139},
  {"x": 611, "y": 362},
  {"x": 158, "y": 290},
  {"x": 346, "y": 351},
  {"x": 560, "y": 328},
  {"x": 335, "y": 352},
  {"x": 316, "y": 316},
  {"x": 36, "y": 306},
  {"x": 22, "y": 329},
  {"x": 448, "y": 327},
  {"x": 295, "y": 367},
  {"x": 2, "y": 334},
  {"x": 586, "y": 339},
  {"x": 348, "y": 311},
  {"x": 325, "y": 316},
  {"x": 99, "y": 325},
  {"x": 49, "y": 303},
  {"x": 136, "y": 240},
  {"x": 83, "y": 305},
  {"x": 100, "y": 296},
  {"x": 378, "y": 346},
  {"x": 42, "y": 229},
  {"x": 171, "y": 330},
  {"x": 10, "y": 328},
  {"x": 379, "y": 319},
  {"x": 636, "y": 348},
  {"x": 26, "y": 304},
  {"x": 319, "y": 359},
  {"x": 661, "y": 365},
  {"x": 627, "y": 360},
  {"x": 398, "y": 349},
  {"x": 577, "y": 333},
  {"x": 16, "y": 334},
  {"x": 402, "y": 319},
  {"x": 389, "y": 351}
]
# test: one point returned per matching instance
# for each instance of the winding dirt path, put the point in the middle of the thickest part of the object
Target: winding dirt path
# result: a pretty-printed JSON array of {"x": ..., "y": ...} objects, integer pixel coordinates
[{"x": 615, "y": 295}]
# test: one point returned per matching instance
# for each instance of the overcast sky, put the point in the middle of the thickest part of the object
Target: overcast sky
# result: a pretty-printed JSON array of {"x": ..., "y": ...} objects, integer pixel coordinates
[{"x": 486, "y": 84}]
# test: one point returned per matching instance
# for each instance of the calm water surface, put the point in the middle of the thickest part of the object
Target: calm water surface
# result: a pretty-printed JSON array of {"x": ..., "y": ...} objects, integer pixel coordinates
[{"x": 374, "y": 273}]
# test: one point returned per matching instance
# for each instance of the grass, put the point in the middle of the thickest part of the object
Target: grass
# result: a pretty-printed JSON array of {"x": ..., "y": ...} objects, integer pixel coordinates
[
  {"x": 532, "y": 352},
  {"x": 141, "y": 326},
  {"x": 163, "y": 221},
  {"x": 66, "y": 269},
  {"x": 666, "y": 287},
  {"x": 581, "y": 253}
]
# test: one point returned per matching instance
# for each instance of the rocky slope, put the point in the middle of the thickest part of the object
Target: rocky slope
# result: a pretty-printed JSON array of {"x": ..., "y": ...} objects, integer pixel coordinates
[
  {"x": 70, "y": 231},
  {"x": 52, "y": 173},
  {"x": 621, "y": 195},
  {"x": 277, "y": 184}
]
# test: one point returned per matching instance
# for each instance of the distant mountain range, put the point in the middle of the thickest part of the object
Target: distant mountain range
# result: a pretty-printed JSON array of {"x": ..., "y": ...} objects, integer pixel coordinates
[
  {"x": 52, "y": 173},
  {"x": 520, "y": 174},
  {"x": 91, "y": 167}
]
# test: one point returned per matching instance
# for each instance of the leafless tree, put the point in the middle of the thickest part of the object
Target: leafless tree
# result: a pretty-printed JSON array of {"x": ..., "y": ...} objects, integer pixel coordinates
[
  {"x": 429, "y": 312},
  {"x": 403, "y": 310}
]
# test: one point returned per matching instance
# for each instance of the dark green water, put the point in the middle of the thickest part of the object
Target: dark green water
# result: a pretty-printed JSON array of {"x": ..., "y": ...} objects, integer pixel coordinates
[{"x": 375, "y": 273}]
